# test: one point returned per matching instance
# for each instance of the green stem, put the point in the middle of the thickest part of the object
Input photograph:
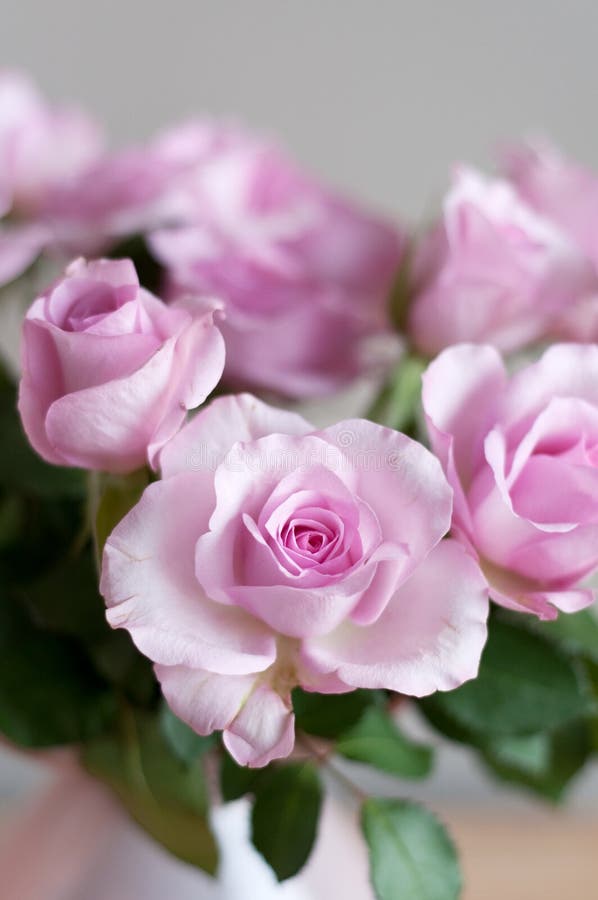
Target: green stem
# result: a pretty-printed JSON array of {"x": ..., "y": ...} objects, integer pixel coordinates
[
  {"x": 323, "y": 758},
  {"x": 91, "y": 512}
]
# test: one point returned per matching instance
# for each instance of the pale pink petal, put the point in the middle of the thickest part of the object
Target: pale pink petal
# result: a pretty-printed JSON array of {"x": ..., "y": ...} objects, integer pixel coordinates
[
  {"x": 306, "y": 611},
  {"x": 263, "y": 730},
  {"x": 205, "y": 701},
  {"x": 149, "y": 584},
  {"x": 244, "y": 481},
  {"x": 564, "y": 370},
  {"x": 549, "y": 560},
  {"x": 461, "y": 394},
  {"x": 206, "y": 440},
  {"x": 515, "y": 592},
  {"x": 430, "y": 636},
  {"x": 382, "y": 463},
  {"x": 110, "y": 426}
]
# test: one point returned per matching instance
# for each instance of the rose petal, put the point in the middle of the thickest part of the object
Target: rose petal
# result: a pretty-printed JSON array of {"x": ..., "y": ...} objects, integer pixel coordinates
[
  {"x": 206, "y": 440},
  {"x": 430, "y": 636},
  {"x": 263, "y": 730},
  {"x": 383, "y": 464},
  {"x": 149, "y": 584},
  {"x": 205, "y": 701}
]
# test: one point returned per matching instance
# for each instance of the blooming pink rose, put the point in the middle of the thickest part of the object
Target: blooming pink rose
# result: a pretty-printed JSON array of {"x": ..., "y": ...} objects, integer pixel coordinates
[
  {"x": 305, "y": 275},
  {"x": 521, "y": 456},
  {"x": 567, "y": 194},
  {"x": 493, "y": 271},
  {"x": 272, "y": 555},
  {"x": 109, "y": 370}
]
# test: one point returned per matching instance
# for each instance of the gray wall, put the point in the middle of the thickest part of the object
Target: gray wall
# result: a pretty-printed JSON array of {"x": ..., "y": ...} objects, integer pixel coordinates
[{"x": 379, "y": 96}]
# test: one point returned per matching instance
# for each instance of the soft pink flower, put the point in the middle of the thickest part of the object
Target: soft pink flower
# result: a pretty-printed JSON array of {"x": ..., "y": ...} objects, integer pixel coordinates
[
  {"x": 567, "y": 194},
  {"x": 493, "y": 270},
  {"x": 305, "y": 274},
  {"x": 109, "y": 370},
  {"x": 272, "y": 555},
  {"x": 42, "y": 147},
  {"x": 521, "y": 454},
  {"x": 134, "y": 190}
]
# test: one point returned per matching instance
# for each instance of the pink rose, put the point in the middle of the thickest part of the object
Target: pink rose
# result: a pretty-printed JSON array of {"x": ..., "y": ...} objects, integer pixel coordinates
[
  {"x": 567, "y": 194},
  {"x": 41, "y": 147},
  {"x": 521, "y": 456},
  {"x": 305, "y": 275},
  {"x": 493, "y": 271},
  {"x": 109, "y": 370},
  {"x": 272, "y": 555},
  {"x": 132, "y": 191},
  {"x": 123, "y": 193}
]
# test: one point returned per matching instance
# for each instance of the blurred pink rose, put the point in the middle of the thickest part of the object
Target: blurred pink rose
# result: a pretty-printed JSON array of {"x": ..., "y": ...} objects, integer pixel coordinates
[
  {"x": 134, "y": 190},
  {"x": 41, "y": 147},
  {"x": 493, "y": 271},
  {"x": 269, "y": 556},
  {"x": 567, "y": 194},
  {"x": 109, "y": 370},
  {"x": 521, "y": 454},
  {"x": 305, "y": 275}
]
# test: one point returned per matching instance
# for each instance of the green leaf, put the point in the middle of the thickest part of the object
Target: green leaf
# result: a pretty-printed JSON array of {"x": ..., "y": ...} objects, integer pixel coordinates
[
  {"x": 577, "y": 633},
  {"x": 49, "y": 693},
  {"x": 398, "y": 404},
  {"x": 285, "y": 815},
  {"x": 118, "y": 660},
  {"x": 67, "y": 600},
  {"x": 182, "y": 740},
  {"x": 165, "y": 797},
  {"x": 43, "y": 532},
  {"x": 236, "y": 781},
  {"x": 411, "y": 854},
  {"x": 118, "y": 495},
  {"x": 12, "y": 515},
  {"x": 376, "y": 740},
  {"x": 328, "y": 715},
  {"x": 544, "y": 763},
  {"x": 170, "y": 780},
  {"x": 525, "y": 685}
]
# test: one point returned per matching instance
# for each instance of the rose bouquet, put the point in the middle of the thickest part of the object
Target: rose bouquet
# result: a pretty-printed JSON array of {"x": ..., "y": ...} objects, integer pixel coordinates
[{"x": 206, "y": 596}]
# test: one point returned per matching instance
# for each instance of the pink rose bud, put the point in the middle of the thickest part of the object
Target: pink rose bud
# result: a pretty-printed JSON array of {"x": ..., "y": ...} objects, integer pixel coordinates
[
  {"x": 305, "y": 275},
  {"x": 273, "y": 555},
  {"x": 521, "y": 456},
  {"x": 493, "y": 271},
  {"x": 109, "y": 370},
  {"x": 567, "y": 194}
]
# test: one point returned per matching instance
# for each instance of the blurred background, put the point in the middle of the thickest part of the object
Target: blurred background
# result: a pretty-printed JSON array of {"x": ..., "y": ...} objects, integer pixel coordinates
[{"x": 380, "y": 98}]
